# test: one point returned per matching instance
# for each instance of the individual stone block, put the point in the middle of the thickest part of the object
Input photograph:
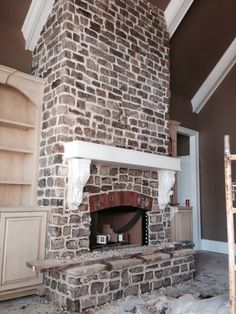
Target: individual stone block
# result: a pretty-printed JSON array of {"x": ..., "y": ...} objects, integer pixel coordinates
[
  {"x": 79, "y": 291},
  {"x": 132, "y": 290},
  {"x": 97, "y": 287},
  {"x": 85, "y": 270}
]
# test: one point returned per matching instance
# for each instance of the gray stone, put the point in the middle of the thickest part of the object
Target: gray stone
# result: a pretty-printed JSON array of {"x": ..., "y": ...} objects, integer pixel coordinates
[
  {"x": 88, "y": 303},
  {"x": 104, "y": 299},
  {"x": 97, "y": 287},
  {"x": 131, "y": 290},
  {"x": 79, "y": 291},
  {"x": 114, "y": 285}
]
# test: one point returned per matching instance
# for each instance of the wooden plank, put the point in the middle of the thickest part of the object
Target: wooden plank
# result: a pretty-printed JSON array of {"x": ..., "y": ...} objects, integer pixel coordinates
[
  {"x": 230, "y": 224},
  {"x": 60, "y": 265}
]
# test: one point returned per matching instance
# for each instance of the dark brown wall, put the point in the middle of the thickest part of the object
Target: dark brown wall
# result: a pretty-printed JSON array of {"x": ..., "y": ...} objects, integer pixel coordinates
[
  {"x": 12, "y": 52},
  {"x": 162, "y": 4},
  {"x": 217, "y": 118},
  {"x": 182, "y": 145},
  {"x": 181, "y": 110},
  {"x": 199, "y": 42}
]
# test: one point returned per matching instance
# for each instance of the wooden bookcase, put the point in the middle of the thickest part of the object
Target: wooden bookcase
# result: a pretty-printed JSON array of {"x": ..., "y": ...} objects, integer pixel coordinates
[
  {"x": 19, "y": 140},
  {"x": 22, "y": 224}
]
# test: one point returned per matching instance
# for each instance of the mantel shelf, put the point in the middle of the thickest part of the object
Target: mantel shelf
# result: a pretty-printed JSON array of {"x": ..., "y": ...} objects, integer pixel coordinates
[
  {"x": 16, "y": 124},
  {"x": 110, "y": 155}
]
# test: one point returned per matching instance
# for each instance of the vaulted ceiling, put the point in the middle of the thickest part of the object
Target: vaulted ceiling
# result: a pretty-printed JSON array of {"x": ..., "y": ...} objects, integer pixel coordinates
[
  {"x": 205, "y": 33},
  {"x": 200, "y": 40}
]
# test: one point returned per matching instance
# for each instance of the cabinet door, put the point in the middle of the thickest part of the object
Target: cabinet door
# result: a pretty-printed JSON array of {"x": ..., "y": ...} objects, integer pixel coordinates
[
  {"x": 184, "y": 223},
  {"x": 22, "y": 239},
  {"x": 181, "y": 225}
]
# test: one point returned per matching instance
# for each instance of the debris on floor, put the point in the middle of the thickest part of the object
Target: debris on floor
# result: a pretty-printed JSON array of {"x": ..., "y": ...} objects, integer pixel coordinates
[{"x": 206, "y": 294}]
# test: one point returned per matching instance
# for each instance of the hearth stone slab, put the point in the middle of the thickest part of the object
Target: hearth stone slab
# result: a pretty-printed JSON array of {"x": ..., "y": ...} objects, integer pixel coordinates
[
  {"x": 85, "y": 270},
  {"x": 156, "y": 257},
  {"x": 79, "y": 288}
]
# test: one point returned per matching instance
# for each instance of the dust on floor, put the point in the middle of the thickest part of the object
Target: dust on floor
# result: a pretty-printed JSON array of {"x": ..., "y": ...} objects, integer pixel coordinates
[{"x": 206, "y": 294}]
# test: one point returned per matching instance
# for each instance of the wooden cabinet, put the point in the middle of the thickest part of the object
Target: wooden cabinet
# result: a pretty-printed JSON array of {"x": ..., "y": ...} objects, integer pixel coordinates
[
  {"x": 181, "y": 225},
  {"x": 19, "y": 135},
  {"x": 22, "y": 239},
  {"x": 22, "y": 224}
]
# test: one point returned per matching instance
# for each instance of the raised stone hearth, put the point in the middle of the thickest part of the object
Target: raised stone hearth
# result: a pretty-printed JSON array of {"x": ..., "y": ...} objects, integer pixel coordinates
[{"x": 79, "y": 287}]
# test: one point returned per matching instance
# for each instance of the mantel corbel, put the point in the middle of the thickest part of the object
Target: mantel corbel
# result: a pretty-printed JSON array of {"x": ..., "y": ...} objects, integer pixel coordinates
[
  {"x": 166, "y": 180},
  {"x": 78, "y": 175}
]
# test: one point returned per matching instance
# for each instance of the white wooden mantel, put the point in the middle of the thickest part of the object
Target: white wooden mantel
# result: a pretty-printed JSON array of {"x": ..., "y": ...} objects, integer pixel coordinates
[
  {"x": 80, "y": 154},
  {"x": 110, "y": 155}
]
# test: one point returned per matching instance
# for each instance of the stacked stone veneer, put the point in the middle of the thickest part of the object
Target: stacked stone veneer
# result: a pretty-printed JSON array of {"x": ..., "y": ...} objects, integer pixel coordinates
[
  {"x": 80, "y": 288},
  {"x": 106, "y": 66}
]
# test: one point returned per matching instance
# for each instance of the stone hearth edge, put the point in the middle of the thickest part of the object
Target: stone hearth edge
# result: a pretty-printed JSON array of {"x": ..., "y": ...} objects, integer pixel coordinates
[{"x": 78, "y": 288}]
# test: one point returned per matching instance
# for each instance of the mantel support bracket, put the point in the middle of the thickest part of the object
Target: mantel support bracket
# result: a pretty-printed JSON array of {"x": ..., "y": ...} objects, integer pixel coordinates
[{"x": 78, "y": 175}]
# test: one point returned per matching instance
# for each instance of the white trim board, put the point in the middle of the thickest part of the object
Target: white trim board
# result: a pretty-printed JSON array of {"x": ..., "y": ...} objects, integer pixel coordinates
[
  {"x": 194, "y": 184},
  {"x": 214, "y": 246},
  {"x": 175, "y": 13},
  {"x": 215, "y": 78},
  {"x": 35, "y": 20}
]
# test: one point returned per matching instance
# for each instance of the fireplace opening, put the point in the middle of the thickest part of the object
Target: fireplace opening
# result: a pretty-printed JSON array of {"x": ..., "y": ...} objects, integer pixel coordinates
[{"x": 118, "y": 226}]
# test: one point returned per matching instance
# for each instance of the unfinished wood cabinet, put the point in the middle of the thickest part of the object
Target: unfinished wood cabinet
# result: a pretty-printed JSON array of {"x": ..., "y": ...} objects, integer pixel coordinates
[
  {"x": 22, "y": 239},
  {"x": 20, "y": 100},
  {"x": 181, "y": 224},
  {"x": 22, "y": 224}
]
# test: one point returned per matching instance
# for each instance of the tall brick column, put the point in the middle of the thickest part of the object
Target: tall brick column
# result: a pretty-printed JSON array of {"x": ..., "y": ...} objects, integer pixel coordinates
[{"x": 106, "y": 65}]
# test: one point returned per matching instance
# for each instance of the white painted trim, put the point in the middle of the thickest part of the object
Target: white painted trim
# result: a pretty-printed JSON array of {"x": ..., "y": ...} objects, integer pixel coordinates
[
  {"x": 215, "y": 78},
  {"x": 214, "y": 246},
  {"x": 195, "y": 186},
  {"x": 175, "y": 13},
  {"x": 119, "y": 156},
  {"x": 35, "y": 20}
]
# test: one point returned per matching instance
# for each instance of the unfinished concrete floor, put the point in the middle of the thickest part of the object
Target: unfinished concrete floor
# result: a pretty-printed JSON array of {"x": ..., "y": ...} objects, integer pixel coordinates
[{"x": 206, "y": 294}]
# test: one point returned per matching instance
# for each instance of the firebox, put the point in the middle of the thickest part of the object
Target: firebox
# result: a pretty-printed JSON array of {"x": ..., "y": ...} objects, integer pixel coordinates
[{"x": 118, "y": 226}]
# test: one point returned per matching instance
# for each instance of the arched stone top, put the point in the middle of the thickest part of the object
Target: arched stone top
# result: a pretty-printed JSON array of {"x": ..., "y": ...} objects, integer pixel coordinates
[{"x": 120, "y": 198}]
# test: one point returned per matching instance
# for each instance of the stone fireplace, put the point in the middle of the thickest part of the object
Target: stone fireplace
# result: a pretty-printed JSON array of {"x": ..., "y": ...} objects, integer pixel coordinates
[
  {"x": 106, "y": 66},
  {"x": 122, "y": 217}
]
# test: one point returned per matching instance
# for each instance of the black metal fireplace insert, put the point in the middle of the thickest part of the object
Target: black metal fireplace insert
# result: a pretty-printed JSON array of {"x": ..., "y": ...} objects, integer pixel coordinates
[{"x": 118, "y": 226}]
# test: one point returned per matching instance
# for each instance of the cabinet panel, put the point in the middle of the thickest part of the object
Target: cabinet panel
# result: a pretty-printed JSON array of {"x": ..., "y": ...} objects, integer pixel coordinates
[
  {"x": 16, "y": 166},
  {"x": 15, "y": 195},
  {"x": 22, "y": 240},
  {"x": 15, "y": 138},
  {"x": 181, "y": 225},
  {"x": 14, "y": 106}
]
